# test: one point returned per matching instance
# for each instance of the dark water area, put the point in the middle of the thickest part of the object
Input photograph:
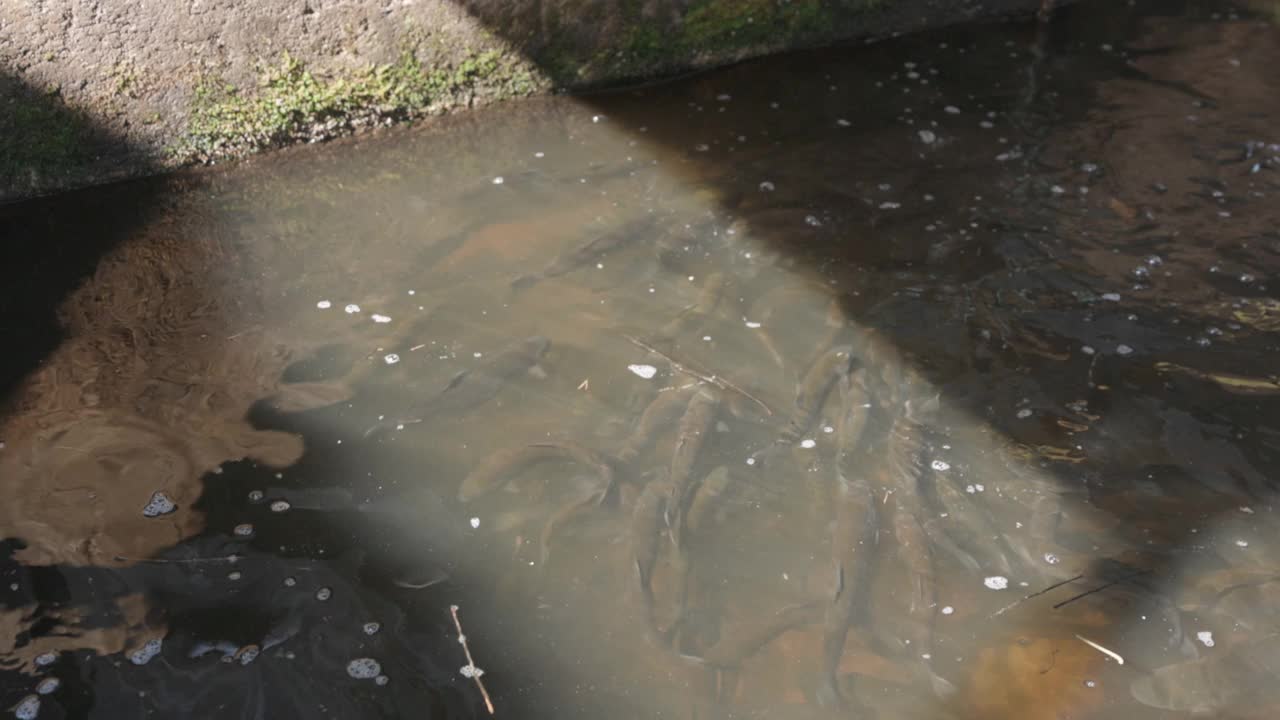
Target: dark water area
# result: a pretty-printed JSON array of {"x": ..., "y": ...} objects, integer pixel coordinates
[{"x": 931, "y": 378}]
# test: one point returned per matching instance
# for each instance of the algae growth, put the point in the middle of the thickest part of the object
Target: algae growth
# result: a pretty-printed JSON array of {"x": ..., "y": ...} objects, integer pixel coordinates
[{"x": 291, "y": 104}]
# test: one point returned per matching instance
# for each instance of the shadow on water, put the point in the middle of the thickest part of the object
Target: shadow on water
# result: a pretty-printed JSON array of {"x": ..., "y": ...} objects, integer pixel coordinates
[
  {"x": 1056, "y": 272},
  {"x": 1066, "y": 235}
]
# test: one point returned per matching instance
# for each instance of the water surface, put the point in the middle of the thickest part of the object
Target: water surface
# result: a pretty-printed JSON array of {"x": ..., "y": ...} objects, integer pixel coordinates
[{"x": 958, "y": 353}]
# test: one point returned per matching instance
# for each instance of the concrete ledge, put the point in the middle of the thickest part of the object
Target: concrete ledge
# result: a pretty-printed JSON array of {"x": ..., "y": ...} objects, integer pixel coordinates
[{"x": 95, "y": 90}]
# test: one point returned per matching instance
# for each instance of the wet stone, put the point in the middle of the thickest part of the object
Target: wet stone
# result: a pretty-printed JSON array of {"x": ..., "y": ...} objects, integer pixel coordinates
[
  {"x": 144, "y": 654},
  {"x": 247, "y": 654},
  {"x": 48, "y": 685},
  {"x": 364, "y": 668},
  {"x": 160, "y": 504},
  {"x": 28, "y": 708}
]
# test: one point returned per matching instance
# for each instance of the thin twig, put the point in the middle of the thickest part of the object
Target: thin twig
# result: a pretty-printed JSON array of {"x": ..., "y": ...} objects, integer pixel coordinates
[
  {"x": 716, "y": 380},
  {"x": 1100, "y": 588},
  {"x": 1037, "y": 593},
  {"x": 471, "y": 669},
  {"x": 233, "y": 558},
  {"x": 1109, "y": 653}
]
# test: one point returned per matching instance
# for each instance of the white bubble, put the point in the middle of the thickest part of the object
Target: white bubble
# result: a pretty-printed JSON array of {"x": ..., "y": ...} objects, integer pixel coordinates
[
  {"x": 255, "y": 496},
  {"x": 391, "y": 359},
  {"x": 1242, "y": 543},
  {"x": 233, "y": 575},
  {"x": 372, "y": 628},
  {"x": 48, "y": 685},
  {"x": 766, "y": 186},
  {"x": 248, "y": 654},
  {"x": 290, "y": 582},
  {"x": 280, "y": 506},
  {"x": 751, "y": 461},
  {"x": 1051, "y": 559},
  {"x": 324, "y": 304},
  {"x": 951, "y": 110},
  {"x": 242, "y": 530},
  {"x": 928, "y": 137},
  {"x": 27, "y": 708},
  {"x": 45, "y": 659},
  {"x": 1123, "y": 349},
  {"x": 1087, "y": 350},
  {"x": 843, "y": 123},
  {"x": 807, "y": 443},
  {"x": 351, "y": 309},
  {"x": 381, "y": 318},
  {"x": 1112, "y": 297},
  {"x": 498, "y": 180},
  {"x": 996, "y": 582},
  {"x": 475, "y": 522},
  {"x": 890, "y": 205},
  {"x": 1024, "y": 413},
  {"x": 1205, "y": 637},
  {"x": 752, "y": 325},
  {"x": 144, "y": 654},
  {"x": 948, "y": 610},
  {"x": 812, "y": 220},
  {"x": 323, "y": 594},
  {"x": 364, "y": 668},
  {"x": 940, "y": 465},
  {"x": 382, "y": 680},
  {"x": 645, "y": 371}
]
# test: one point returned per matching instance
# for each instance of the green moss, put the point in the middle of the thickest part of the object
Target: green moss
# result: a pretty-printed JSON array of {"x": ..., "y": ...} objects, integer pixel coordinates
[
  {"x": 40, "y": 135},
  {"x": 291, "y": 104},
  {"x": 720, "y": 29}
]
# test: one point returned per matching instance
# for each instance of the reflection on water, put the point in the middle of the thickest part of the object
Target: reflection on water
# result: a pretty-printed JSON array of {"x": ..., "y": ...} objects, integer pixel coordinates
[{"x": 927, "y": 379}]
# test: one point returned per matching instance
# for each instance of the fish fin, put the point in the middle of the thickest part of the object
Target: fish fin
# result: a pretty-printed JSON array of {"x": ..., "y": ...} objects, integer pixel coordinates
[
  {"x": 456, "y": 380},
  {"x": 942, "y": 687},
  {"x": 524, "y": 282}
]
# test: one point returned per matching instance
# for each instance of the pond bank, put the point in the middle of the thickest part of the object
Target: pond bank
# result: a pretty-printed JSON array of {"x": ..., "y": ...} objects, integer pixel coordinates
[{"x": 95, "y": 90}]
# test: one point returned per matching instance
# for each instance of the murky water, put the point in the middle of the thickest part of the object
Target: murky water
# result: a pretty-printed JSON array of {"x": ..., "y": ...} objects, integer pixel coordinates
[{"x": 934, "y": 378}]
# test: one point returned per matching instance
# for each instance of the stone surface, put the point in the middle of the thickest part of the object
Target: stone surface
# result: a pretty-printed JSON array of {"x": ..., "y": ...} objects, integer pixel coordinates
[{"x": 92, "y": 90}]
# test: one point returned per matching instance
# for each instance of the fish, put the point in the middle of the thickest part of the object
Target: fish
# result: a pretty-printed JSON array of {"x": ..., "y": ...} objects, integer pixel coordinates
[
  {"x": 853, "y": 547},
  {"x": 712, "y": 488},
  {"x": 500, "y": 468},
  {"x": 588, "y": 253},
  {"x": 913, "y": 552},
  {"x": 471, "y": 388},
  {"x": 733, "y": 648},
  {"x": 694, "y": 315},
  {"x": 695, "y": 426},
  {"x": 657, "y": 415},
  {"x": 576, "y": 506},
  {"x": 646, "y": 534},
  {"x": 830, "y": 368}
]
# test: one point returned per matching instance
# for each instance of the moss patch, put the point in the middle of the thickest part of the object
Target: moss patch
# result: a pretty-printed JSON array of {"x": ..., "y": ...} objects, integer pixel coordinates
[
  {"x": 40, "y": 135},
  {"x": 291, "y": 104},
  {"x": 721, "y": 29}
]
